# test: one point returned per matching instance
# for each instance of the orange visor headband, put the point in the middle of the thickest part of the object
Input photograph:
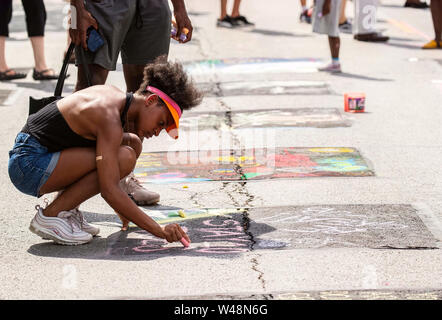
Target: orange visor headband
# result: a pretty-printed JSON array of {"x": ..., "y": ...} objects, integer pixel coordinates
[{"x": 174, "y": 109}]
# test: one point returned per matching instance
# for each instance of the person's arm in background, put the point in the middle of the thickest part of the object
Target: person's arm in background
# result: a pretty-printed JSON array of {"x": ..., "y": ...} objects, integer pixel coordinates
[
  {"x": 182, "y": 19},
  {"x": 81, "y": 20}
]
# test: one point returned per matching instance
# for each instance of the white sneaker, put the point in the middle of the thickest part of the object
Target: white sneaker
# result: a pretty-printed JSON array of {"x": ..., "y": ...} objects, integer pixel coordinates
[
  {"x": 62, "y": 229},
  {"x": 331, "y": 68},
  {"x": 77, "y": 215}
]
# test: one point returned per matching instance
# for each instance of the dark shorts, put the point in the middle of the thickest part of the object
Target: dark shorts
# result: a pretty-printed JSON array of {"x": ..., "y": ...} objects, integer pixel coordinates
[
  {"x": 30, "y": 164},
  {"x": 140, "y": 29}
]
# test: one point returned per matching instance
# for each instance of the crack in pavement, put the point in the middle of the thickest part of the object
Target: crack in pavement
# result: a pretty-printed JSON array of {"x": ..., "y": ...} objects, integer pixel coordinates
[{"x": 255, "y": 265}]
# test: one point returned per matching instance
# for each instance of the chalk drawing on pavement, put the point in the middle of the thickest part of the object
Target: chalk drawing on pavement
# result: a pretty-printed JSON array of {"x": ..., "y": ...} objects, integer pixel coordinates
[
  {"x": 172, "y": 216},
  {"x": 227, "y": 232},
  {"x": 267, "y": 118},
  {"x": 263, "y": 87},
  {"x": 250, "y": 164},
  {"x": 251, "y": 66},
  {"x": 373, "y": 226}
]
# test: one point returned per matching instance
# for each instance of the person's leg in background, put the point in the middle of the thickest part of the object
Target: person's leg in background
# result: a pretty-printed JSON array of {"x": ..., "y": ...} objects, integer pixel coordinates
[
  {"x": 436, "y": 14},
  {"x": 35, "y": 12},
  {"x": 335, "y": 46},
  {"x": 305, "y": 17},
  {"x": 223, "y": 13},
  {"x": 97, "y": 73},
  {"x": 225, "y": 20},
  {"x": 66, "y": 22},
  {"x": 236, "y": 15},
  {"x": 5, "y": 17},
  {"x": 235, "y": 9},
  {"x": 343, "y": 17},
  {"x": 328, "y": 24},
  {"x": 344, "y": 25}
]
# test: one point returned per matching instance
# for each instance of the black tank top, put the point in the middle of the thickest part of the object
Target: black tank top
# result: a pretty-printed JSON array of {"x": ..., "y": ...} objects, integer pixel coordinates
[{"x": 52, "y": 131}]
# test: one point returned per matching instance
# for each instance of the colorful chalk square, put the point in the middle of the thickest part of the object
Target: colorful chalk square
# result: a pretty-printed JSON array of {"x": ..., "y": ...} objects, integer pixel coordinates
[
  {"x": 176, "y": 215},
  {"x": 250, "y": 164},
  {"x": 251, "y": 66},
  {"x": 266, "y": 118}
]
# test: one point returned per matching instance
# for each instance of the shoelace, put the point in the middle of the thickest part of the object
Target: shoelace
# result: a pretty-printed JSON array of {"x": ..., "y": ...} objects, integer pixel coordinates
[
  {"x": 134, "y": 183},
  {"x": 79, "y": 215},
  {"x": 72, "y": 222}
]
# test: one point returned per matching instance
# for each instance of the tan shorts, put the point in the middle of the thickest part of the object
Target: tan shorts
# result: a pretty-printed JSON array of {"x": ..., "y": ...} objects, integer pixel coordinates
[
  {"x": 139, "y": 29},
  {"x": 328, "y": 24}
]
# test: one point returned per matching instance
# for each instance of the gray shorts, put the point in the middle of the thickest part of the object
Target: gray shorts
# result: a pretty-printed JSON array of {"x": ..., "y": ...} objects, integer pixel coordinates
[
  {"x": 140, "y": 29},
  {"x": 328, "y": 24}
]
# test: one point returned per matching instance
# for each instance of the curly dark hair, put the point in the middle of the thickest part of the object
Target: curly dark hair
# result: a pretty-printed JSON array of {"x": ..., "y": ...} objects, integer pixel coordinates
[{"x": 171, "y": 78}]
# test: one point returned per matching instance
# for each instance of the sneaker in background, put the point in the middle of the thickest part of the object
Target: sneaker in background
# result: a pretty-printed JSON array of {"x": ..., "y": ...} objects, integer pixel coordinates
[
  {"x": 332, "y": 67},
  {"x": 227, "y": 22},
  {"x": 242, "y": 21},
  {"x": 62, "y": 229},
  {"x": 305, "y": 16},
  {"x": 371, "y": 37},
  {"x": 346, "y": 27}
]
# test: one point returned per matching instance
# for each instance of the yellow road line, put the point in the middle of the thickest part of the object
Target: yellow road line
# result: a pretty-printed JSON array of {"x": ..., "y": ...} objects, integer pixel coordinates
[{"x": 408, "y": 28}]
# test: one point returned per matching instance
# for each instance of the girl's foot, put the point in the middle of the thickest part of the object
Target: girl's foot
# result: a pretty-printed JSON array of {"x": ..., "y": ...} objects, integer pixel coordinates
[{"x": 61, "y": 229}]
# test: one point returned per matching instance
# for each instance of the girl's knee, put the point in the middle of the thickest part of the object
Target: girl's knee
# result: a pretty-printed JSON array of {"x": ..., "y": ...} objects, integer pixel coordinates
[
  {"x": 127, "y": 159},
  {"x": 135, "y": 143}
]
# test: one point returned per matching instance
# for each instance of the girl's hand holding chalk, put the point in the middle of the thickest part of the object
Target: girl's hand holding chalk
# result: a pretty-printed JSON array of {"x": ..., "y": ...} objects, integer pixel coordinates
[
  {"x": 184, "y": 242},
  {"x": 174, "y": 233}
]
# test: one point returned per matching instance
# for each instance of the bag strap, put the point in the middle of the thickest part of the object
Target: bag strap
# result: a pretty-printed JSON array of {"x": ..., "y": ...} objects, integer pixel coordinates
[{"x": 64, "y": 69}]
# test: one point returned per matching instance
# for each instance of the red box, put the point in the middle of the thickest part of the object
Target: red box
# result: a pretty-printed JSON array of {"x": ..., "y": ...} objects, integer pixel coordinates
[{"x": 354, "y": 102}]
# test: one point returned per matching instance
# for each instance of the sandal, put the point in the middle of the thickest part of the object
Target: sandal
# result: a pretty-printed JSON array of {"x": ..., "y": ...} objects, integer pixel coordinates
[
  {"x": 40, "y": 75},
  {"x": 5, "y": 75}
]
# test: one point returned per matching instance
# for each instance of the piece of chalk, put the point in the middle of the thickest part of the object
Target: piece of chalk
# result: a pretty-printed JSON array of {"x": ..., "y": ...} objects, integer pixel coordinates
[
  {"x": 184, "y": 242},
  {"x": 181, "y": 213}
]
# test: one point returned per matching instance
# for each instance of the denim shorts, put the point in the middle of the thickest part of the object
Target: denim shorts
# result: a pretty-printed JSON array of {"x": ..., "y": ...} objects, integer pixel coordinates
[{"x": 30, "y": 164}]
